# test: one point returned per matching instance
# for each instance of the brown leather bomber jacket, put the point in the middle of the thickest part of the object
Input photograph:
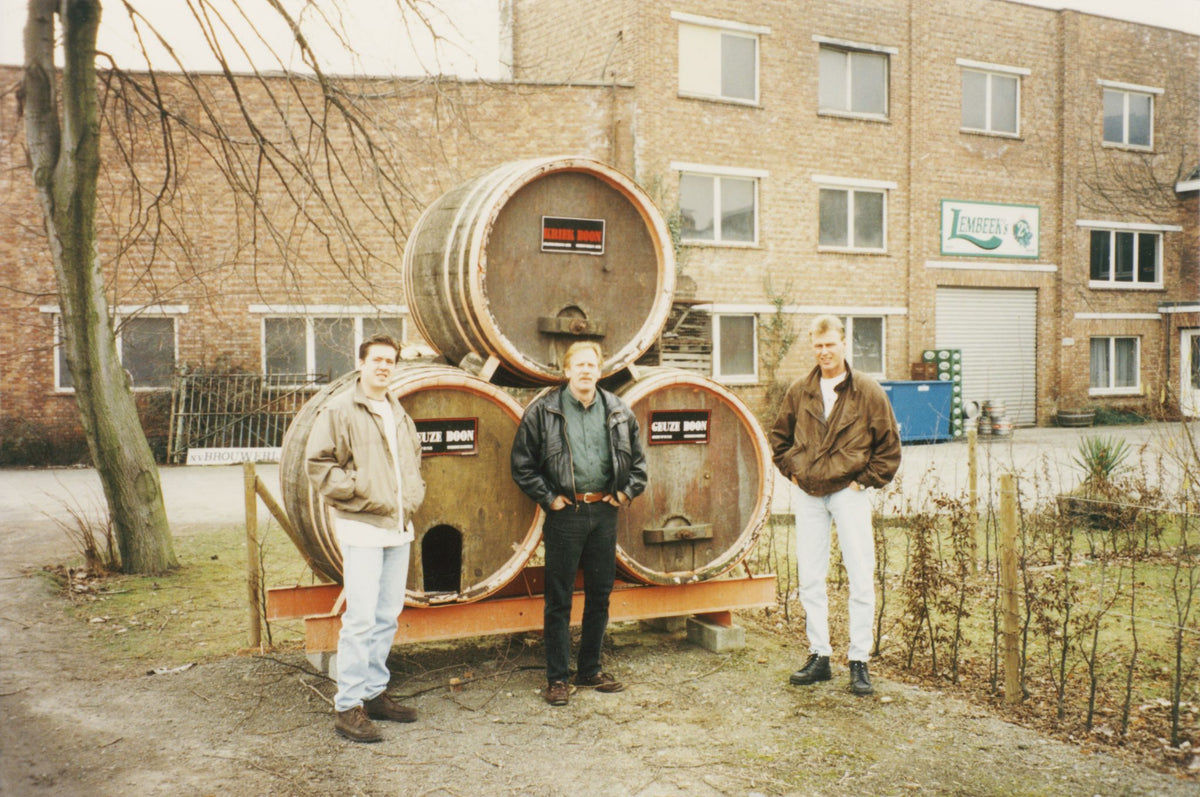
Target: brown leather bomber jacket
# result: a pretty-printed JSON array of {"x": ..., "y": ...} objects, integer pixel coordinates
[{"x": 859, "y": 443}]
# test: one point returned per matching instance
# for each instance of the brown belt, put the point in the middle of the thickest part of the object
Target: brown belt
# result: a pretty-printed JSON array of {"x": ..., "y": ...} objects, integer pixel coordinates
[{"x": 590, "y": 498}]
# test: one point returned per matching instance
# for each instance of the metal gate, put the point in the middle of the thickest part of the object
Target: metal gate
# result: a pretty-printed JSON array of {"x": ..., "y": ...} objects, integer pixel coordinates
[{"x": 235, "y": 410}]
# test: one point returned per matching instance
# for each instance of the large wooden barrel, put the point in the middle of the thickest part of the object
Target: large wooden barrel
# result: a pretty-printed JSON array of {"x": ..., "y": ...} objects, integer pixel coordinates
[
  {"x": 533, "y": 255},
  {"x": 710, "y": 480},
  {"x": 476, "y": 529}
]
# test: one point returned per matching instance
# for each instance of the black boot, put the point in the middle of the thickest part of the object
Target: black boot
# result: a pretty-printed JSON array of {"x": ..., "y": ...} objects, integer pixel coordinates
[
  {"x": 815, "y": 669},
  {"x": 860, "y": 679}
]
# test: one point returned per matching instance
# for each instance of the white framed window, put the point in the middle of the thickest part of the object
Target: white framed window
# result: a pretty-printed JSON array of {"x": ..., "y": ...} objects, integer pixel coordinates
[
  {"x": 853, "y": 78},
  {"x": 852, "y": 214},
  {"x": 991, "y": 98},
  {"x": 735, "y": 348},
  {"x": 1125, "y": 259},
  {"x": 718, "y": 59},
  {"x": 1115, "y": 366},
  {"x": 1128, "y": 114},
  {"x": 147, "y": 345},
  {"x": 718, "y": 205},
  {"x": 325, "y": 346},
  {"x": 865, "y": 344}
]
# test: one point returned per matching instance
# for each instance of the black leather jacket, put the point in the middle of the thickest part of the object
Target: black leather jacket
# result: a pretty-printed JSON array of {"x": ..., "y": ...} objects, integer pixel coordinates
[{"x": 541, "y": 457}]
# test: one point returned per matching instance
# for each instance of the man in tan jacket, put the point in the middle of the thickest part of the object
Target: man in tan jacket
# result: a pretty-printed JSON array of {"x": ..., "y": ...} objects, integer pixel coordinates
[
  {"x": 835, "y": 437},
  {"x": 364, "y": 457}
]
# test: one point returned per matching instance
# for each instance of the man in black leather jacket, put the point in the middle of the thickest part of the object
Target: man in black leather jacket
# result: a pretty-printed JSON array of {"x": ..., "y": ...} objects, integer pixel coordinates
[{"x": 577, "y": 453}]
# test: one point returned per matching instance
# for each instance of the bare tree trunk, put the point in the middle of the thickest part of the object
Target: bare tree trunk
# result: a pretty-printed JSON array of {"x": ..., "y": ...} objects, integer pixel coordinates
[{"x": 65, "y": 157}]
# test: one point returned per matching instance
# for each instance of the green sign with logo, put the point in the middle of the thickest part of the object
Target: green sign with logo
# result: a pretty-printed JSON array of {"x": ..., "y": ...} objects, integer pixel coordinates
[{"x": 990, "y": 229}]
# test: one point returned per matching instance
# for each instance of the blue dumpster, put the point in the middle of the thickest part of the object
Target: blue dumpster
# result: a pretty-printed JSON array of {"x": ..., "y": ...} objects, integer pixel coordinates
[{"x": 923, "y": 409}]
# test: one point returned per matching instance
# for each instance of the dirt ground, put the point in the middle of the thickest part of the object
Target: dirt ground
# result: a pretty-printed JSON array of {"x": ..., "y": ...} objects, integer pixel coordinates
[{"x": 691, "y": 722}]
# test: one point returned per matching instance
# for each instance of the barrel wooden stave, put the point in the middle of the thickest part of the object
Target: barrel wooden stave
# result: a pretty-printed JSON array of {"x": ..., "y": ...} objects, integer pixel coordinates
[
  {"x": 720, "y": 488},
  {"x": 478, "y": 283},
  {"x": 472, "y": 508}
]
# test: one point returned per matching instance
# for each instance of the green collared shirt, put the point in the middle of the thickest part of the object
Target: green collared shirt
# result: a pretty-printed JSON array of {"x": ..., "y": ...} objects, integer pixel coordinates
[{"x": 587, "y": 435}]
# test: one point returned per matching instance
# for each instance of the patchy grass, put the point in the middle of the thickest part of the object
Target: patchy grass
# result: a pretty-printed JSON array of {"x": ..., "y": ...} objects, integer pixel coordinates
[
  {"x": 197, "y": 613},
  {"x": 1098, "y": 581}
]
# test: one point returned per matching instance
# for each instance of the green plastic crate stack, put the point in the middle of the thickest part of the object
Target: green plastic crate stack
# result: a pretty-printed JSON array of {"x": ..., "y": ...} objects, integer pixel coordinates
[{"x": 949, "y": 364}]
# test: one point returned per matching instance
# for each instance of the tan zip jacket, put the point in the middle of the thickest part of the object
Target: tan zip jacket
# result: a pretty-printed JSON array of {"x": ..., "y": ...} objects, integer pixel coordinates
[
  {"x": 859, "y": 443},
  {"x": 349, "y": 464}
]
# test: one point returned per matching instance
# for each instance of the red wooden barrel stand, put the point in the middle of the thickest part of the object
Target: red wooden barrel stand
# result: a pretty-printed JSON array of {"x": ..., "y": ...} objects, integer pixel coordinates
[{"x": 518, "y": 608}]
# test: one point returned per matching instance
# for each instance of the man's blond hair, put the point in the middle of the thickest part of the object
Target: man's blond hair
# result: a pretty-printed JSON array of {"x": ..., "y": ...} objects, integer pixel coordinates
[
  {"x": 827, "y": 323},
  {"x": 582, "y": 345}
]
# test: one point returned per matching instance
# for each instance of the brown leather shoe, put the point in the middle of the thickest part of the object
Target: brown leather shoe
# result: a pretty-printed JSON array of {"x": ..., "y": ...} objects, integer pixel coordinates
[
  {"x": 601, "y": 682},
  {"x": 558, "y": 692},
  {"x": 382, "y": 707},
  {"x": 356, "y": 726}
]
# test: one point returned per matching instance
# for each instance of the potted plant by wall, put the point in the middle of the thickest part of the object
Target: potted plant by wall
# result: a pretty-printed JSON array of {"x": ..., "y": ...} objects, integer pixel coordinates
[
  {"x": 1100, "y": 500},
  {"x": 1075, "y": 417}
]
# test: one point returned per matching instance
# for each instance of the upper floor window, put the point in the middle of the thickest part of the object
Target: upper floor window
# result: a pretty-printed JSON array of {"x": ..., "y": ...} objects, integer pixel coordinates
[
  {"x": 718, "y": 59},
  {"x": 864, "y": 336},
  {"x": 735, "y": 348},
  {"x": 1114, "y": 366},
  {"x": 852, "y": 214},
  {"x": 991, "y": 97},
  {"x": 325, "y": 346},
  {"x": 718, "y": 205},
  {"x": 146, "y": 345},
  {"x": 1125, "y": 258},
  {"x": 1129, "y": 114},
  {"x": 853, "y": 78}
]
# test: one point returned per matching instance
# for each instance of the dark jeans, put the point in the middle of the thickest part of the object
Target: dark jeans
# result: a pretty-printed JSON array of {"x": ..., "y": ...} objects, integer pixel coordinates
[{"x": 581, "y": 535}]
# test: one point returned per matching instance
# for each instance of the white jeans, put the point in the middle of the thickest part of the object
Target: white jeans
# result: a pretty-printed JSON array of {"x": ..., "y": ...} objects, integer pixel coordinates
[
  {"x": 374, "y": 580},
  {"x": 850, "y": 509}
]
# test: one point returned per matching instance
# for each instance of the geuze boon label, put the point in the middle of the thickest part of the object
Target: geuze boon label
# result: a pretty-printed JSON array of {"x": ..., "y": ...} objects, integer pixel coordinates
[
  {"x": 679, "y": 426},
  {"x": 441, "y": 436}
]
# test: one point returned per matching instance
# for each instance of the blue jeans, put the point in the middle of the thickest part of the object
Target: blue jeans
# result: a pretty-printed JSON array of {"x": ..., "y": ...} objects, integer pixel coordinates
[
  {"x": 374, "y": 579},
  {"x": 580, "y": 535},
  {"x": 850, "y": 509}
]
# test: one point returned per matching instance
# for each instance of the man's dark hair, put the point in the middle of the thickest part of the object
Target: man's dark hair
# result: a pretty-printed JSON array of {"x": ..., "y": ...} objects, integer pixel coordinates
[{"x": 380, "y": 339}]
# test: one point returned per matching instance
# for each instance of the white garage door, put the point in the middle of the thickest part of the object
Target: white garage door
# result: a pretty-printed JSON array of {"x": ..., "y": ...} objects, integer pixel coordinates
[{"x": 996, "y": 329}]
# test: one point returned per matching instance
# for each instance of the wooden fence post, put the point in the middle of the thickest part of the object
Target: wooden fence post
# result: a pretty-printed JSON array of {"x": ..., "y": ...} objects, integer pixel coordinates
[
  {"x": 973, "y": 489},
  {"x": 253, "y": 579},
  {"x": 1008, "y": 588}
]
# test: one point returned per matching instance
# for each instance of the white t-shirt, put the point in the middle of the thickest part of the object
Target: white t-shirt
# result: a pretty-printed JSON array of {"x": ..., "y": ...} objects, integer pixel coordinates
[
  {"x": 828, "y": 394},
  {"x": 364, "y": 535}
]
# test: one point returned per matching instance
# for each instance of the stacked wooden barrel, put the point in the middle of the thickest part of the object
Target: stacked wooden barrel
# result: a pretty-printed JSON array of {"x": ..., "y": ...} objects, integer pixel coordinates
[
  {"x": 517, "y": 264},
  {"x": 474, "y": 531},
  {"x": 502, "y": 274},
  {"x": 709, "y": 491}
]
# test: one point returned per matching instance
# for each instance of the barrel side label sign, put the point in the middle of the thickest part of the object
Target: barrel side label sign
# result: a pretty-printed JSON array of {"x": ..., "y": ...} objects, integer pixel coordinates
[
  {"x": 445, "y": 436},
  {"x": 679, "y": 426},
  {"x": 585, "y": 236}
]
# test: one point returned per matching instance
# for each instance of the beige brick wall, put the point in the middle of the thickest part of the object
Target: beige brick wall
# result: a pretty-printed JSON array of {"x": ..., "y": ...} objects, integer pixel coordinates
[
  {"x": 580, "y": 41},
  {"x": 217, "y": 263},
  {"x": 600, "y": 78},
  {"x": 1104, "y": 183},
  {"x": 922, "y": 149}
]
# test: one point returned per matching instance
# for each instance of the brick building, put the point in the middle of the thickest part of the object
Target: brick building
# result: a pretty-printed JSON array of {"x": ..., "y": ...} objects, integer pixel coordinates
[{"x": 1016, "y": 182}]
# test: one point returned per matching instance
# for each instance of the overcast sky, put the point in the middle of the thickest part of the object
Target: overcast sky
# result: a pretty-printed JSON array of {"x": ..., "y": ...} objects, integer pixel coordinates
[
  {"x": 386, "y": 43},
  {"x": 1177, "y": 14}
]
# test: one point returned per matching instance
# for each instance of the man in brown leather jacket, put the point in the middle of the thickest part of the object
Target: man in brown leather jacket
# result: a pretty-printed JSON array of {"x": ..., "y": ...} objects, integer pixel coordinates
[{"x": 835, "y": 437}]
